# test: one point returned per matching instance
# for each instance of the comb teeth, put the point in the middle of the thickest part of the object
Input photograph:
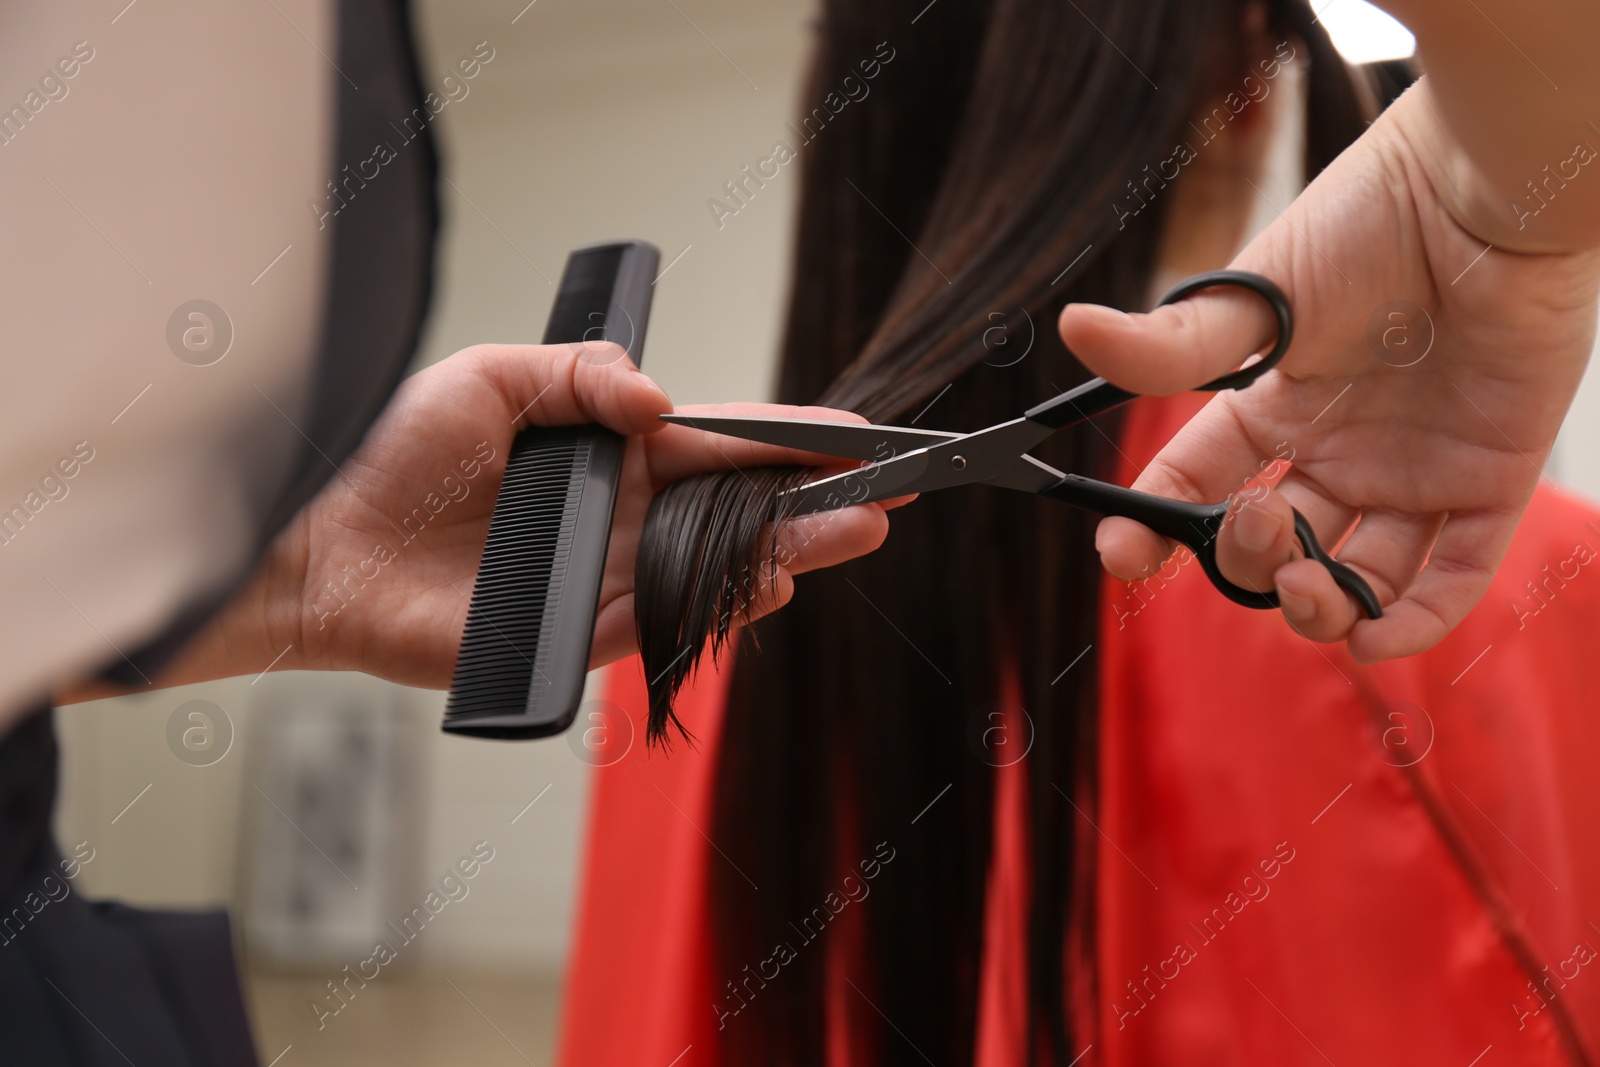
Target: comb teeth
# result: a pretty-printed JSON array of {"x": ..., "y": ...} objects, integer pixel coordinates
[
  {"x": 503, "y": 667},
  {"x": 524, "y": 655}
]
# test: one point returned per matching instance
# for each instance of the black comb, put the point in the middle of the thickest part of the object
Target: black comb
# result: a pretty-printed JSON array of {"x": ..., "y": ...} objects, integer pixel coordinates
[{"x": 525, "y": 651}]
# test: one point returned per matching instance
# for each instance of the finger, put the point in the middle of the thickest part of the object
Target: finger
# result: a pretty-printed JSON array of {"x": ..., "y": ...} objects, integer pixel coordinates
[
  {"x": 1172, "y": 348},
  {"x": 1387, "y": 549},
  {"x": 1322, "y": 610},
  {"x": 811, "y": 543},
  {"x": 1259, "y": 536},
  {"x": 774, "y": 591},
  {"x": 1130, "y": 550},
  {"x": 564, "y": 385},
  {"x": 1313, "y": 603},
  {"x": 1208, "y": 460},
  {"x": 827, "y": 538},
  {"x": 679, "y": 451},
  {"x": 1457, "y": 574},
  {"x": 615, "y": 634},
  {"x": 896, "y": 502},
  {"x": 1256, "y": 540}
]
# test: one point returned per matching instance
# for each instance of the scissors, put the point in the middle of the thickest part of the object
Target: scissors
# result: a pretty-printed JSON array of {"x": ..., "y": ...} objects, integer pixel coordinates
[{"x": 904, "y": 460}]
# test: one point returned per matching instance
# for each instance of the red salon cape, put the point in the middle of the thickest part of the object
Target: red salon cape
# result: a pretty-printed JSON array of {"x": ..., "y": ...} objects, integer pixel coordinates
[{"x": 1302, "y": 861}]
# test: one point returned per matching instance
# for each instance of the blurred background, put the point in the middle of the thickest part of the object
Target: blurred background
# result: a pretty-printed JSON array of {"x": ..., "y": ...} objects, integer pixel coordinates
[{"x": 323, "y": 808}]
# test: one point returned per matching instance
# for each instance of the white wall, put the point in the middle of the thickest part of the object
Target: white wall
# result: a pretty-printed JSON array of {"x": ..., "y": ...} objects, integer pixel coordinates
[
  {"x": 1576, "y": 462},
  {"x": 618, "y": 119}
]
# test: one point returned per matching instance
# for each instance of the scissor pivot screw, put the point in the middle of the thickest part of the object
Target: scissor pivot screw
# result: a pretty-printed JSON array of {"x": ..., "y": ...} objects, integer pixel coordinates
[{"x": 958, "y": 462}]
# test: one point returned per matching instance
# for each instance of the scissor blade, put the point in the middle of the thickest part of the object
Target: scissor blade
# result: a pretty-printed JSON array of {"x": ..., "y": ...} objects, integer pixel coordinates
[
  {"x": 1027, "y": 475},
  {"x": 850, "y": 440},
  {"x": 991, "y": 455}
]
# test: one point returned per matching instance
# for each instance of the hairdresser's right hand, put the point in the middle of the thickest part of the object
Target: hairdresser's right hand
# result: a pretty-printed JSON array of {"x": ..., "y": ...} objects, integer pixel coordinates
[
  {"x": 376, "y": 573},
  {"x": 1428, "y": 377}
]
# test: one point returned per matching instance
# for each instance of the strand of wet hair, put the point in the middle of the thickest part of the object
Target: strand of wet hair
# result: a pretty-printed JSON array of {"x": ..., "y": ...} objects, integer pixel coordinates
[{"x": 708, "y": 550}]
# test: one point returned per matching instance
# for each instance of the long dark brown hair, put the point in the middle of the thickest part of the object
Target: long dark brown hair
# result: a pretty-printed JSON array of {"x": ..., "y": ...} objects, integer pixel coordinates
[{"x": 960, "y": 205}]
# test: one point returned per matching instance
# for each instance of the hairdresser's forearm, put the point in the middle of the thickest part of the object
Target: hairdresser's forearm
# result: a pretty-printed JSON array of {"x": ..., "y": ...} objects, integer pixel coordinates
[
  {"x": 1512, "y": 87},
  {"x": 259, "y": 627}
]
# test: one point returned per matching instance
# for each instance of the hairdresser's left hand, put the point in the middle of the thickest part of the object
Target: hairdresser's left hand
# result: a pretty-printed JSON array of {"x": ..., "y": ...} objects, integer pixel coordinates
[
  {"x": 1428, "y": 377},
  {"x": 441, "y": 447},
  {"x": 376, "y": 573}
]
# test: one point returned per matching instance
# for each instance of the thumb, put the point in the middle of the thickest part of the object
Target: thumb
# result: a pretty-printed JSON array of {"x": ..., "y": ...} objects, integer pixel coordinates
[
  {"x": 1173, "y": 348},
  {"x": 567, "y": 384}
]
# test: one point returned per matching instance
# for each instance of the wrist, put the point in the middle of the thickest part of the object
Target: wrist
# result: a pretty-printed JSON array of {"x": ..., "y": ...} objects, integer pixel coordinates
[
  {"x": 1479, "y": 196},
  {"x": 266, "y": 618},
  {"x": 1461, "y": 189},
  {"x": 259, "y": 628}
]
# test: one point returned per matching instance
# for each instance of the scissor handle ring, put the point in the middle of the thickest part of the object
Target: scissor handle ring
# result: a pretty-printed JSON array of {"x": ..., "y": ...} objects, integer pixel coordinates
[
  {"x": 1266, "y": 289},
  {"x": 1343, "y": 576}
]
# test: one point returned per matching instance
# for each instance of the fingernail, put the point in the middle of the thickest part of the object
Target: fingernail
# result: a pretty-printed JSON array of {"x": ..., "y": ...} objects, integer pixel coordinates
[
  {"x": 1255, "y": 528},
  {"x": 1296, "y": 608}
]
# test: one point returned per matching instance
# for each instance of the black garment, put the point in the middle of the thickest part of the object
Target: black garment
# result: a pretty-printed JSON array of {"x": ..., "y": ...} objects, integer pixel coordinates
[
  {"x": 99, "y": 984},
  {"x": 96, "y": 984}
]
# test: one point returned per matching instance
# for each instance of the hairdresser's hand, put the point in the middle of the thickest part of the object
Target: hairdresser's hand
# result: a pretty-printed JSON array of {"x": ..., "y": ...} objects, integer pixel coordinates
[
  {"x": 1423, "y": 391},
  {"x": 376, "y": 574},
  {"x": 441, "y": 448}
]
